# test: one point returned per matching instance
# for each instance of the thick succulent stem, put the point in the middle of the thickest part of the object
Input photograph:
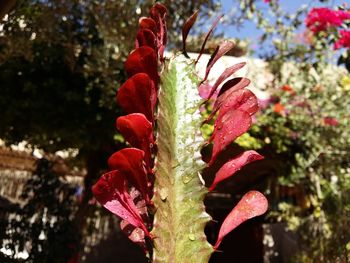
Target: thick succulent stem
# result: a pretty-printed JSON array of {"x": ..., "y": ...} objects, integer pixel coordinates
[{"x": 180, "y": 217}]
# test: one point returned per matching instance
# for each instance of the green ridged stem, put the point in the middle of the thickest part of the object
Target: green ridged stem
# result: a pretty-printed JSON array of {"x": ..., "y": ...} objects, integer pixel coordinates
[{"x": 180, "y": 217}]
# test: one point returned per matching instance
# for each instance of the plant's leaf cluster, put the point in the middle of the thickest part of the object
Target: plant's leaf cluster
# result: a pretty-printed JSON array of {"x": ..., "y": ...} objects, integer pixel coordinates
[{"x": 127, "y": 189}]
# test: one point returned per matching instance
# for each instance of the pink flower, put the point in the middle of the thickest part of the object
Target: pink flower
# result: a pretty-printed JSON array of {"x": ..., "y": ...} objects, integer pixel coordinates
[
  {"x": 320, "y": 19},
  {"x": 344, "y": 15},
  {"x": 344, "y": 40}
]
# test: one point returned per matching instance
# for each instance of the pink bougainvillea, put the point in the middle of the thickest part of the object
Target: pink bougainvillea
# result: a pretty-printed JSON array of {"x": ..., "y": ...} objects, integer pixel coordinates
[
  {"x": 344, "y": 40},
  {"x": 320, "y": 19},
  {"x": 330, "y": 121}
]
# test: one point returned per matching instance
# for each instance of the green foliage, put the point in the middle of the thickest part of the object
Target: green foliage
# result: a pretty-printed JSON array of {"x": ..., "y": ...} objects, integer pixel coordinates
[{"x": 306, "y": 125}]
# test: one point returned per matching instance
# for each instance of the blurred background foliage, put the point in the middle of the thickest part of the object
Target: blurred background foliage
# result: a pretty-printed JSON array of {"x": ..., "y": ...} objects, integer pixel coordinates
[
  {"x": 305, "y": 123},
  {"x": 61, "y": 63}
]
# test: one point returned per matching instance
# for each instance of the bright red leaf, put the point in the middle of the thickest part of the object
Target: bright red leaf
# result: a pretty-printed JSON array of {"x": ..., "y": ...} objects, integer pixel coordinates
[
  {"x": 136, "y": 234},
  {"x": 130, "y": 161},
  {"x": 234, "y": 165},
  {"x": 242, "y": 99},
  {"x": 224, "y": 75},
  {"x": 111, "y": 192},
  {"x": 232, "y": 95},
  {"x": 233, "y": 85},
  {"x": 137, "y": 131},
  {"x": 221, "y": 50},
  {"x": 251, "y": 205},
  {"x": 227, "y": 128}
]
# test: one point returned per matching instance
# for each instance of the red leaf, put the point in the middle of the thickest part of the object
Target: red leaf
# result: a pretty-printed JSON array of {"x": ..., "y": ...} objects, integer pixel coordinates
[
  {"x": 130, "y": 162},
  {"x": 186, "y": 29},
  {"x": 137, "y": 131},
  {"x": 135, "y": 234},
  {"x": 148, "y": 23},
  {"x": 138, "y": 94},
  {"x": 224, "y": 75},
  {"x": 146, "y": 37},
  {"x": 233, "y": 85},
  {"x": 111, "y": 192},
  {"x": 235, "y": 98},
  {"x": 251, "y": 205},
  {"x": 234, "y": 165},
  {"x": 142, "y": 60},
  {"x": 140, "y": 205},
  {"x": 242, "y": 99},
  {"x": 204, "y": 90},
  {"x": 207, "y": 37},
  {"x": 227, "y": 128},
  {"x": 158, "y": 9},
  {"x": 218, "y": 53},
  {"x": 158, "y": 13}
]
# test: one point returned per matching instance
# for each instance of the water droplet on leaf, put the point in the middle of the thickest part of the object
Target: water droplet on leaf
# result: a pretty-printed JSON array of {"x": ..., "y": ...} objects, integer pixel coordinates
[
  {"x": 186, "y": 179},
  {"x": 191, "y": 237},
  {"x": 163, "y": 194}
]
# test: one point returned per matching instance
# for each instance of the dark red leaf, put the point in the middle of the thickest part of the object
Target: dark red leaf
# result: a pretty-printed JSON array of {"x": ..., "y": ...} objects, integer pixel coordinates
[
  {"x": 186, "y": 29},
  {"x": 158, "y": 13},
  {"x": 158, "y": 9},
  {"x": 148, "y": 23},
  {"x": 207, "y": 37},
  {"x": 138, "y": 94},
  {"x": 227, "y": 128},
  {"x": 137, "y": 131},
  {"x": 130, "y": 162},
  {"x": 234, "y": 165},
  {"x": 142, "y": 60},
  {"x": 219, "y": 52},
  {"x": 111, "y": 192},
  {"x": 224, "y": 75},
  {"x": 251, "y": 205},
  {"x": 146, "y": 37}
]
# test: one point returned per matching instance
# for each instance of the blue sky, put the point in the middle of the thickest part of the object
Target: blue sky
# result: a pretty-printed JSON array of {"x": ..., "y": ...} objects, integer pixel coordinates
[{"x": 249, "y": 31}]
